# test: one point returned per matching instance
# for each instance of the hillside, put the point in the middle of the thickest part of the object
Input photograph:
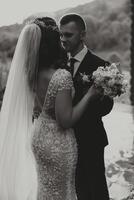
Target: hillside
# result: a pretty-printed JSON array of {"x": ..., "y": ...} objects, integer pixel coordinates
[{"x": 108, "y": 29}]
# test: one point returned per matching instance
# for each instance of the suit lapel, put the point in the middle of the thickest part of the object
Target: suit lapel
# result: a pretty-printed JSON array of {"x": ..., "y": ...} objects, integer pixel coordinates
[{"x": 86, "y": 65}]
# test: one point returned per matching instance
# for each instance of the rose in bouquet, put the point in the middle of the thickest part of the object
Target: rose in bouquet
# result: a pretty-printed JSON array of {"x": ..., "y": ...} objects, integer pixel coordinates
[{"x": 109, "y": 80}]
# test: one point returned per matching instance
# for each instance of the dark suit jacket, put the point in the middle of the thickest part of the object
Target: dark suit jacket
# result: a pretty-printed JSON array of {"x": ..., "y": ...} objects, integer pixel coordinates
[{"x": 89, "y": 130}]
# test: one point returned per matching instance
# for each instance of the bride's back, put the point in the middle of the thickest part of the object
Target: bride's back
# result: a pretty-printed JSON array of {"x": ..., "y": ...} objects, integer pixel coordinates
[{"x": 44, "y": 78}]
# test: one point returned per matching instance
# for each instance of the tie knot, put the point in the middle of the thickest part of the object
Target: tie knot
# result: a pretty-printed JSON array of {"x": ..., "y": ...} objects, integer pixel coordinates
[{"x": 72, "y": 61}]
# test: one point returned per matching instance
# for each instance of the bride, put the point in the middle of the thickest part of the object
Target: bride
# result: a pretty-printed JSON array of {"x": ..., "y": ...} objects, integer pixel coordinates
[{"x": 37, "y": 160}]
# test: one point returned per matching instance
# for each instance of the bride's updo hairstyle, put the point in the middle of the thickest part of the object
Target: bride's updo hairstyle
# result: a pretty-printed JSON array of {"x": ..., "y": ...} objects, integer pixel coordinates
[{"x": 50, "y": 46}]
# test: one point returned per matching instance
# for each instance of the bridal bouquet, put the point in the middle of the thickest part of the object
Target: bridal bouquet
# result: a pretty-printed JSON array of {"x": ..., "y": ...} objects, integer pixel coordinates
[{"x": 109, "y": 80}]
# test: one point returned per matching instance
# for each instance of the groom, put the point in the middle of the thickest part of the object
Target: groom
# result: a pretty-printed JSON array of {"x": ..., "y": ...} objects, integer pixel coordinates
[{"x": 90, "y": 133}]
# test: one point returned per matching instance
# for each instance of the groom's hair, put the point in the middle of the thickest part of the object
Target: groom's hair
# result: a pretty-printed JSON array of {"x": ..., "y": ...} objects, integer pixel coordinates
[{"x": 73, "y": 18}]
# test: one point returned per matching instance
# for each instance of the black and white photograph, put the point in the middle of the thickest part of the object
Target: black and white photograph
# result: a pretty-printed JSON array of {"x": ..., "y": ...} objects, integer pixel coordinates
[{"x": 67, "y": 100}]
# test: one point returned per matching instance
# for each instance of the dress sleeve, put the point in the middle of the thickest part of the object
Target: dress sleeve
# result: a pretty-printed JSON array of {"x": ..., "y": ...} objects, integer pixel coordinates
[{"x": 65, "y": 80}]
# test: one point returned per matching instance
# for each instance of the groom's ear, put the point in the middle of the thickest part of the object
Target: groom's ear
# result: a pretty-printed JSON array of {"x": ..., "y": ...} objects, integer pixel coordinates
[{"x": 83, "y": 34}]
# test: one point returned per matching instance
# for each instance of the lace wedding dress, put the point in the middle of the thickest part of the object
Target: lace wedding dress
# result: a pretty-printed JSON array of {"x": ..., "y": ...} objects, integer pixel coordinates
[{"x": 54, "y": 148}]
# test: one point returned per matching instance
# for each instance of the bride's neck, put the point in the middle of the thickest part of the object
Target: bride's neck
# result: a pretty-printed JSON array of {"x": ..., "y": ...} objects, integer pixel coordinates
[{"x": 46, "y": 68}]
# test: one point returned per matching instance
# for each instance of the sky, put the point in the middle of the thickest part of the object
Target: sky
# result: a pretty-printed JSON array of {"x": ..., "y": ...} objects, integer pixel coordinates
[{"x": 15, "y": 11}]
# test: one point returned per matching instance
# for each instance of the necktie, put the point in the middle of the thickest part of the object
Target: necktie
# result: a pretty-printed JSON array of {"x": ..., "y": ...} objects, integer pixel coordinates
[{"x": 72, "y": 61}]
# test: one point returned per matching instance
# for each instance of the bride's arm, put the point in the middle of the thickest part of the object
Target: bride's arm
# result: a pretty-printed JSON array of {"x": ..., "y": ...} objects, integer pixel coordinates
[{"x": 66, "y": 114}]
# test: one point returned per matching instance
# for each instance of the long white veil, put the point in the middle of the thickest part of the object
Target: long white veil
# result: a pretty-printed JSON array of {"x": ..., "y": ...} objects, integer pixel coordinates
[{"x": 18, "y": 179}]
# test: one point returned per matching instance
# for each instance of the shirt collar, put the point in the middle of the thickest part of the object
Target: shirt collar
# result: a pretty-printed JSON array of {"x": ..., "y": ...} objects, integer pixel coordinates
[{"x": 79, "y": 56}]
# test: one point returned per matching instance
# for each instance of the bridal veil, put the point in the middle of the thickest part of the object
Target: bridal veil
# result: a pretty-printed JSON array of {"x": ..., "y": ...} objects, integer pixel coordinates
[{"x": 18, "y": 179}]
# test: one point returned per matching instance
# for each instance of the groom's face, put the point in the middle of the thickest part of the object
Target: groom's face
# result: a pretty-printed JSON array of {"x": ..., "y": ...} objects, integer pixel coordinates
[{"x": 71, "y": 37}]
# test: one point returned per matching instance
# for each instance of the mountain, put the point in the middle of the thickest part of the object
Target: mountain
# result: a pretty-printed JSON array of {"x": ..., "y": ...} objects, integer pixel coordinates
[
  {"x": 94, "y": 8},
  {"x": 83, "y": 9},
  {"x": 108, "y": 27}
]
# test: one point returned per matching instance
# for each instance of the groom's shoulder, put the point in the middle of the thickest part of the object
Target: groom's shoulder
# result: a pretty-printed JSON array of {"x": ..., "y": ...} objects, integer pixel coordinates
[{"x": 95, "y": 59}]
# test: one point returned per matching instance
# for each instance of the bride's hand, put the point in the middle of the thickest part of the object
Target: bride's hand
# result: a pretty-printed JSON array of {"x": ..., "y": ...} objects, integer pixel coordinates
[{"x": 94, "y": 92}]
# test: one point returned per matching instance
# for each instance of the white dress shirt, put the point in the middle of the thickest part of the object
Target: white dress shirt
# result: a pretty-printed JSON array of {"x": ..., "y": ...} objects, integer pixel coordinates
[{"x": 79, "y": 57}]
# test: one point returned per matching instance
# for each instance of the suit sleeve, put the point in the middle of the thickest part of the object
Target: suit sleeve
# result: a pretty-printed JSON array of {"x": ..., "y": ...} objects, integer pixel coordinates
[
  {"x": 101, "y": 107},
  {"x": 105, "y": 105}
]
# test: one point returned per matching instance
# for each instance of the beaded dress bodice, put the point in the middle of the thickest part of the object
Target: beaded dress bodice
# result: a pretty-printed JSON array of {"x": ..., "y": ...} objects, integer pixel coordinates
[{"x": 54, "y": 148}]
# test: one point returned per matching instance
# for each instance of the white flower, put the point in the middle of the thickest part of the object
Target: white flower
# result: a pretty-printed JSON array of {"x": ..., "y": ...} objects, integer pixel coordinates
[
  {"x": 85, "y": 78},
  {"x": 110, "y": 80}
]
